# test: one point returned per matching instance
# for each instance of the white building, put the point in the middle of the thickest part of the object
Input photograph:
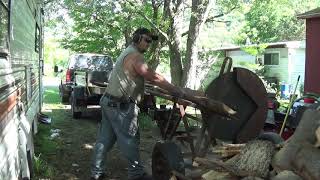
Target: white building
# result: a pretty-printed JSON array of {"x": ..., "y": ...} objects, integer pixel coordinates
[{"x": 285, "y": 60}]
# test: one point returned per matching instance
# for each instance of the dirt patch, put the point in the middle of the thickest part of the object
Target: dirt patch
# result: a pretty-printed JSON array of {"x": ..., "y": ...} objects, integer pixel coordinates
[{"x": 69, "y": 153}]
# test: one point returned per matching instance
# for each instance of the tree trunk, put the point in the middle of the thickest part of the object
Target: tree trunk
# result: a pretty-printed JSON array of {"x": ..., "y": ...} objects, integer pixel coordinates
[
  {"x": 127, "y": 33},
  {"x": 174, "y": 14},
  {"x": 199, "y": 14},
  {"x": 156, "y": 47}
]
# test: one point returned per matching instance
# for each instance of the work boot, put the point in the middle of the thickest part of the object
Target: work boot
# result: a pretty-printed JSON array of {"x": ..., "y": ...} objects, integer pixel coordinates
[{"x": 144, "y": 177}]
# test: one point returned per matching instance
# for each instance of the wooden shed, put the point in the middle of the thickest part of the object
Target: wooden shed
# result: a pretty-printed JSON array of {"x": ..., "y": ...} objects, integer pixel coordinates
[{"x": 312, "y": 73}]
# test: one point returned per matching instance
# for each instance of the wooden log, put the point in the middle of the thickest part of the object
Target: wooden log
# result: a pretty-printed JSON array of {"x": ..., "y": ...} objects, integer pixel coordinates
[
  {"x": 233, "y": 145},
  {"x": 195, "y": 99},
  {"x": 299, "y": 154},
  {"x": 227, "y": 152},
  {"x": 216, "y": 175},
  {"x": 213, "y": 164},
  {"x": 254, "y": 159}
]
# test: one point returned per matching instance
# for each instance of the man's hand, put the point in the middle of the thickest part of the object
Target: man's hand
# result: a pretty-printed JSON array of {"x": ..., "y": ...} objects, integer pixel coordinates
[{"x": 179, "y": 92}]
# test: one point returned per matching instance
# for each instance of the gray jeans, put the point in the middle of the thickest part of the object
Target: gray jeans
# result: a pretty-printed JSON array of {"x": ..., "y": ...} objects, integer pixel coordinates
[{"x": 119, "y": 123}]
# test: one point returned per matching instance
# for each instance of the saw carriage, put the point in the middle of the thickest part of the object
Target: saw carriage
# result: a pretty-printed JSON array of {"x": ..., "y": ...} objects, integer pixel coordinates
[{"x": 233, "y": 109}]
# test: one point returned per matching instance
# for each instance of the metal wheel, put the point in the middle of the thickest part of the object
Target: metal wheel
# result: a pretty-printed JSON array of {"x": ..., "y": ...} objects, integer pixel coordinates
[
  {"x": 75, "y": 115},
  {"x": 166, "y": 157}
]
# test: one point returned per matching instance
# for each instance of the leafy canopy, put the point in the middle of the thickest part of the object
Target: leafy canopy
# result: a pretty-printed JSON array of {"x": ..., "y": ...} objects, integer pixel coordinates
[{"x": 274, "y": 20}]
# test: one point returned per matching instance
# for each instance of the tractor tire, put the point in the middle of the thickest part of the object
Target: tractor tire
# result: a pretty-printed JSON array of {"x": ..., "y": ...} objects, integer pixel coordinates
[{"x": 166, "y": 157}]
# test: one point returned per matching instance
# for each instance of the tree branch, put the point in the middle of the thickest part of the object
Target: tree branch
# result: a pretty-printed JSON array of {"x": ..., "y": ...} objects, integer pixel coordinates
[
  {"x": 48, "y": 1},
  {"x": 211, "y": 19},
  {"x": 142, "y": 14}
]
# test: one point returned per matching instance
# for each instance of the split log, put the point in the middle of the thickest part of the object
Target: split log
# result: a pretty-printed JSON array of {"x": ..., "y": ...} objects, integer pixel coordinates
[
  {"x": 299, "y": 154},
  {"x": 228, "y": 150},
  {"x": 254, "y": 159},
  {"x": 215, "y": 175},
  {"x": 231, "y": 146}
]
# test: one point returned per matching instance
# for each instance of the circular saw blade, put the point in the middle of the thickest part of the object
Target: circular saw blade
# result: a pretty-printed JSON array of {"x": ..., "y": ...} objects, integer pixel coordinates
[{"x": 243, "y": 91}]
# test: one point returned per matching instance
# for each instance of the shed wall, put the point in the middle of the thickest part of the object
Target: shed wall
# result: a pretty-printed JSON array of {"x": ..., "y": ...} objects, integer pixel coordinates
[{"x": 312, "y": 73}]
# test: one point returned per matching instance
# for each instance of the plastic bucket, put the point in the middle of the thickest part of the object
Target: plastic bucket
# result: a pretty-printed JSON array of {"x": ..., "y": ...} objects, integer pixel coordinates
[{"x": 284, "y": 91}]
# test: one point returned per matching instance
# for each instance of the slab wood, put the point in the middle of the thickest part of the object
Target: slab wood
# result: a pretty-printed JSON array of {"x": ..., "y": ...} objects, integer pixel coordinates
[{"x": 299, "y": 154}]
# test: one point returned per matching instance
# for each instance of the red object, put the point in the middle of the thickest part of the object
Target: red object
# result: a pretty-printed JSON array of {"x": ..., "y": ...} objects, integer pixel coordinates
[
  {"x": 312, "y": 75},
  {"x": 308, "y": 100},
  {"x": 287, "y": 134},
  {"x": 68, "y": 75},
  {"x": 270, "y": 104}
]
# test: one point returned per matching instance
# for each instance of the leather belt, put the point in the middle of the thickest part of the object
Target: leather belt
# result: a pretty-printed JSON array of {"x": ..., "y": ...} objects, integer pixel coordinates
[
  {"x": 114, "y": 98},
  {"x": 116, "y": 101},
  {"x": 113, "y": 104}
]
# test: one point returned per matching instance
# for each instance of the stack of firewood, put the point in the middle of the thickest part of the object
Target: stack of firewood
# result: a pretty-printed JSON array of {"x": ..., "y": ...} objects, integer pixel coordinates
[{"x": 297, "y": 158}]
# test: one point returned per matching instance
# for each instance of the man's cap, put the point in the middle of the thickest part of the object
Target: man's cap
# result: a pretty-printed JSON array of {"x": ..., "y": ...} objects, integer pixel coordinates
[{"x": 147, "y": 32}]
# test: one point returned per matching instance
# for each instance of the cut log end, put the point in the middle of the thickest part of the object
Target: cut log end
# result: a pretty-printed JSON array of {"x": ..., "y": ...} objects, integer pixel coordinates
[{"x": 254, "y": 159}]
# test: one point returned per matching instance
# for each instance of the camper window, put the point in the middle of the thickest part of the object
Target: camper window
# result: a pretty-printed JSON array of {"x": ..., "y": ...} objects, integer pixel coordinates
[
  {"x": 271, "y": 59},
  {"x": 4, "y": 22}
]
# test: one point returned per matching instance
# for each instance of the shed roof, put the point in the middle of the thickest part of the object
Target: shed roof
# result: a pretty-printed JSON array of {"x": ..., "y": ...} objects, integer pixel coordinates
[
  {"x": 315, "y": 13},
  {"x": 288, "y": 44}
]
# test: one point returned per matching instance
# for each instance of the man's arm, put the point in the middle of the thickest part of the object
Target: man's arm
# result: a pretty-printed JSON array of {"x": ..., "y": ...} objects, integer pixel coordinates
[{"x": 142, "y": 69}]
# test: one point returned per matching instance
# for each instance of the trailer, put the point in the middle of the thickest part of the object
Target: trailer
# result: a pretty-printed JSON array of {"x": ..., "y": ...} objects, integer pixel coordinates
[{"x": 21, "y": 69}]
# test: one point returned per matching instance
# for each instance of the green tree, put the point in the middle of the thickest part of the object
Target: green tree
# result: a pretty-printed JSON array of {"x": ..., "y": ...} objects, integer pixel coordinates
[
  {"x": 54, "y": 54},
  {"x": 106, "y": 26},
  {"x": 274, "y": 20}
]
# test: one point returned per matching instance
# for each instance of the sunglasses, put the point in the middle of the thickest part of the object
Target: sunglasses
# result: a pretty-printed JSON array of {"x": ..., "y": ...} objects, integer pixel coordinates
[{"x": 147, "y": 39}]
